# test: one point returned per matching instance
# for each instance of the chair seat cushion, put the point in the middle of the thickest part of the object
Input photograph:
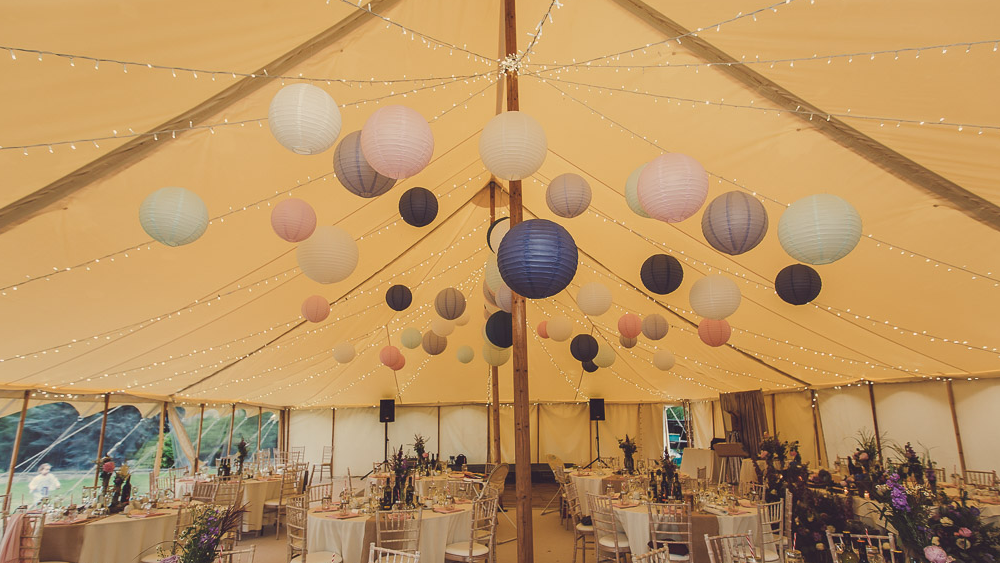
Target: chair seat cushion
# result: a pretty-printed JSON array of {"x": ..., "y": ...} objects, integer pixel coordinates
[
  {"x": 606, "y": 541},
  {"x": 462, "y": 548},
  {"x": 274, "y": 503},
  {"x": 584, "y": 528},
  {"x": 319, "y": 557}
]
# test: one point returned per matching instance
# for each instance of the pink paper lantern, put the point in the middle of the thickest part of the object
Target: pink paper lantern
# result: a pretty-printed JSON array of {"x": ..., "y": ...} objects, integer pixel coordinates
[
  {"x": 400, "y": 364},
  {"x": 293, "y": 220},
  {"x": 673, "y": 187},
  {"x": 714, "y": 333},
  {"x": 543, "y": 329},
  {"x": 390, "y": 356},
  {"x": 315, "y": 309},
  {"x": 630, "y": 325},
  {"x": 397, "y": 142}
]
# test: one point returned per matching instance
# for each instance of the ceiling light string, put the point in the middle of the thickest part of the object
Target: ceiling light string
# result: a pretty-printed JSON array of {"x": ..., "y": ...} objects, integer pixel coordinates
[{"x": 536, "y": 36}]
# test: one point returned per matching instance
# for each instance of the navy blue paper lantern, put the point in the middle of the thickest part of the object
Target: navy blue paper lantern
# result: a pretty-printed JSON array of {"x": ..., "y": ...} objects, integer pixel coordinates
[
  {"x": 418, "y": 207},
  {"x": 583, "y": 347},
  {"x": 661, "y": 274},
  {"x": 537, "y": 258},
  {"x": 498, "y": 330},
  {"x": 798, "y": 284},
  {"x": 589, "y": 367},
  {"x": 398, "y": 298}
]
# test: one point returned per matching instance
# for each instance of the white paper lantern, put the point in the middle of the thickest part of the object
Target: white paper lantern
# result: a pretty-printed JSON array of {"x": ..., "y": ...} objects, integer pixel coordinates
[
  {"x": 495, "y": 356},
  {"x": 465, "y": 354},
  {"x": 493, "y": 278},
  {"x": 343, "y": 352},
  {"x": 329, "y": 255},
  {"x": 442, "y": 327},
  {"x": 594, "y": 299},
  {"x": 173, "y": 216},
  {"x": 491, "y": 298},
  {"x": 568, "y": 195},
  {"x": 819, "y": 229},
  {"x": 632, "y": 194},
  {"x": 463, "y": 320},
  {"x": 497, "y": 232},
  {"x": 672, "y": 187},
  {"x": 410, "y": 338},
  {"x": 559, "y": 328},
  {"x": 715, "y": 297},
  {"x": 664, "y": 359},
  {"x": 505, "y": 298},
  {"x": 513, "y": 145},
  {"x": 655, "y": 327},
  {"x": 304, "y": 119},
  {"x": 397, "y": 142},
  {"x": 605, "y": 355}
]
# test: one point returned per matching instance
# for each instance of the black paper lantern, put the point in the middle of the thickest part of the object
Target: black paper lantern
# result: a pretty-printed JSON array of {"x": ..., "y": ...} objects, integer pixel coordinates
[
  {"x": 798, "y": 284},
  {"x": 498, "y": 330},
  {"x": 661, "y": 274},
  {"x": 583, "y": 347},
  {"x": 398, "y": 298},
  {"x": 589, "y": 367},
  {"x": 418, "y": 207}
]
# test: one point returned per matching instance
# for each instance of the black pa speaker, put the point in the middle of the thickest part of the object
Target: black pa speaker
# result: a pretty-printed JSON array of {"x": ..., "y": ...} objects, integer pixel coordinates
[
  {"x": 387, "y": 410},
  {"x": 597, "y": 409}
]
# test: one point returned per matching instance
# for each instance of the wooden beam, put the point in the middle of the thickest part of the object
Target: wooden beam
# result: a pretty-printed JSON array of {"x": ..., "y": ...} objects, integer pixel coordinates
[
  {"x": 17, "y": 445},
  {"x": 100, "y": 439},
  {"x": 774, "y": 417},
  {"x": 878, "y": 437},
  {"x": 954, "y": 423},
  {"x": 141, "y": 146},
  {"x": 815, "y": 409},
  {"x": 916, "y": 175},
  {"x": 333, "y": 438},
  {"x": 439, "y": 432},
  {"x": 197, "y": 448},
  {"x": 232, "y": 422},
  {"x": 260, "y": 417},
  {"x": 158, "y": 461}
]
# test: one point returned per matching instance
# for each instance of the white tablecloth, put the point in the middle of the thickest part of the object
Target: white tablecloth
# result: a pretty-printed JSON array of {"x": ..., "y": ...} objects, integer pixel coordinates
[
  {"x": 695, "y": 458},
  {"x": 590, "y": 485},
  {"x": 255, "y": 492},
  {"x": 120, "y": 539},
  {"x": 423, "y": 484},
  {"x": 635, "y": 523}
]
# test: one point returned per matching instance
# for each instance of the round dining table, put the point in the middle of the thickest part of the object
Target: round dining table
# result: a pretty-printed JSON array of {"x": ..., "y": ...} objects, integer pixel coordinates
[
  {"x": 119, "y": 538},
  {"x": 594, "y": 483},
  {"x": 634, "y": 521}
]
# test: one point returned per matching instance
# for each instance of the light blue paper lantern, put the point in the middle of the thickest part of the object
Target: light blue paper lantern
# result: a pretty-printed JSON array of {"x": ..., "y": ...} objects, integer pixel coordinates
[
  {"x": 819, "y": 229},
  {"x": 173, "y": 216}
]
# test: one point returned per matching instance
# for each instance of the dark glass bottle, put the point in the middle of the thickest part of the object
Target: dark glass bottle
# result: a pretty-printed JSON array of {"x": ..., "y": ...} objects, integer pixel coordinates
[
  {"x": 862, "y": 551},
  {"x": 677, "y": 493},
  {"x": 652, "y": 485},
  {"x": 849, "y": 555},
  {"x": 664, "y": 487},
  {"x": 409, "y": 492},
  {"x": 386, "y": 503}
]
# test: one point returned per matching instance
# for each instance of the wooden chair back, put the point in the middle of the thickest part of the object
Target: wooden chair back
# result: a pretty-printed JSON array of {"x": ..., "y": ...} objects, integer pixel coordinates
[
  {"x": 296, "y": 522},
  {"x": 573, "y": 500},
  {"x": 730, "y": 549},
  {"x": 670, "y": 525},
  {"x": 836, "y": 544},
  {"x": 661, "y": 555},
  {"x": 483, "y": 525},
  {"x": 316, "y": 493},
  {"x": 981, "y": 478},
  {"x": 398, "y": 529},
  {"x": 31, "y": 537},
  {"x": 497, "y": 478},
  {"x": 602, "y": 514},
  {"x": 771, "y": 519},
  {"x": 166, "y": 482},
  {"x": 204, "y": 491},
  {"x": 242, "y": 555},
  {"x": 383, "y": 555},
  {"x": 228, "y": 493},
  {"x": 462, "y": 489}
]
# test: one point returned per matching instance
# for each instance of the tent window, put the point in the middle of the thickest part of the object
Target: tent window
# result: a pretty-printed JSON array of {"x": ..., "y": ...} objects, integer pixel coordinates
[{"x": 675, "y": 431}]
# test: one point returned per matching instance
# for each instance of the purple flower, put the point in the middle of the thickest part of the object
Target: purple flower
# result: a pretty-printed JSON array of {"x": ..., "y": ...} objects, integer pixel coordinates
[{"x": 935, "y": 554}]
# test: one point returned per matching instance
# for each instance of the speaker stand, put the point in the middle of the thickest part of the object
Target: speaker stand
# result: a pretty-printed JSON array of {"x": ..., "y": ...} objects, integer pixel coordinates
[
  {"x": 386, "y": 460},
  {"x": 597, "y": 459}
]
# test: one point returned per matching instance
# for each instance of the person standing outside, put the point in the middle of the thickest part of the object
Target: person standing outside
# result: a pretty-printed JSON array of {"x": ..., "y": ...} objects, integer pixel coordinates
[{"x": 43, "y": 484}]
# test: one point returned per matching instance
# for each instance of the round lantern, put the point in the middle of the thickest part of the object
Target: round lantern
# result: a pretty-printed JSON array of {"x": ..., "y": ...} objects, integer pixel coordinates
[
  {"x": 398, "y": 365},
  {"x": 354, "y": 172},
  {"x": 465, "y": 354},
  {"x": 589, "y": 367},
  {"x": 304, "y": 118},
  {"x": 632, "y": 195},
  {"x": 418, "y": 207},
  {"x": 463, "y": 320},
  {"x": 661, "y": 273},
  {"x": 398, "y": 298},
  {"x": 434, "y": 344},
  {"x": 493, "y": 278},
  {"x": 315, "y": 308},
  {"x": 559, "y": 328},
  {"x": 734, "y": 222},
  {"x": 489, "y": 295},
  {"x": 543, "y": 329},
  {"x": 513, "y": 145},
  {"x": 715, "y": 297},
  {"x": 663, "y": 360},
  {"x": 329, "y": 255},
  {"x": 819, "y": 229},
  {"x": 798, "y": 284},
  {"x": 630, "y": 325},
  {"x": 568, "y": 195},
  {"x": 293, "y": 220},
  {"x": 605, "y": 356},
  {"x": 628, "y": 342},
  {"x": 496, "y": 232},
  {"x": 390, "y": 356},
  {"x": 397, "y": 142},
  {"x": 504, "y": 298},
  {"x": 173, "y": 216},
  {"x": 583, "y": 347},
  {"x": 594, "y": 299},
  {"x": 410, "y": 338},
  {"x": 714, "y": 333},
  {"x": 449, "y": 303},
  {"x": 343, "y": 352},
  {"x": 672, "y": 187},
  {"x": 495, "y": 356},
  {"x": 442, "y": 327},
  {"x": 537, "y": 258},
  {"x": 655, "y": 327},
  {"x": 498, "y": 330}
]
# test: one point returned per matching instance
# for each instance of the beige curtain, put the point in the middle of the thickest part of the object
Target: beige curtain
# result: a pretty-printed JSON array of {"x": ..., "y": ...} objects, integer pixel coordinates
[{"x": 747, "y": 411}]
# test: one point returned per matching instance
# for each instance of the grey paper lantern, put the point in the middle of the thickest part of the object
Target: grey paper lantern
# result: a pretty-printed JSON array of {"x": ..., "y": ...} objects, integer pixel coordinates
[
  {"x": 628, "y": 342},
  {"x": 655, "y": 327},
  {"x": 568, "y": 195},
  {"x": 434, "y": 344},
  {"x": 734, "y": 222},
  {"x": 354, "y": 172},
  {"x": 449, "y": 303}
]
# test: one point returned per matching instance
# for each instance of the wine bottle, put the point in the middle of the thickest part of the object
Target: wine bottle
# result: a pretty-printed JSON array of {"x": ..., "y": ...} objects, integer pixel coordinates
[
  {"x": 677, "y": 493},
  {"x": 386, "y": 503},
  {"x": 664, "y": 487},
  {"x": 409, "y": 492},
  {"x": 849, "y": 556},
  {"x": 862, "y": 551}
]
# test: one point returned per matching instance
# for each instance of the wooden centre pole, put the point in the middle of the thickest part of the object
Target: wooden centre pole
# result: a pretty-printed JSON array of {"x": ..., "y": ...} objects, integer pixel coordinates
[
  {"x": 494, "y": 370},
  {"x": 158, "y": 461},
  {"x": 878, "y": 437},
  {"x": 232, "y": 422},
  {"x": 260, "y": 417},
  {"x": 100, "y": 440},
  {"x": 197, "y": 449},
  {"x": 954, "y": 422},
  {"x": 17, "y": 445}
]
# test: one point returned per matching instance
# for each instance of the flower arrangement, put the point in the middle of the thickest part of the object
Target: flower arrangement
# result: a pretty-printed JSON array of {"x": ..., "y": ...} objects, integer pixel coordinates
[
  {"x": 668, "y": 465},
  {"x": 398, "y": 463},
  {"x": 774, "y": 450},
  {"x": 628, "y": 447},
  {"x": 105, "y": 469},
  {"x": 199, "y": 542},
  {"x": 957, "y": 533},
  {"x": 242, "y": 451},
  {"x": 865, "y": 464}
]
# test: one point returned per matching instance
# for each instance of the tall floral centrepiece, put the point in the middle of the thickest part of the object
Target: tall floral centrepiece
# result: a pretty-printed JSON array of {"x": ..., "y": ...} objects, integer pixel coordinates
[
  {"x": 420, "y": 447},
  {"x": 628, "y": 447},
  {"x": 200, "y": 541}
]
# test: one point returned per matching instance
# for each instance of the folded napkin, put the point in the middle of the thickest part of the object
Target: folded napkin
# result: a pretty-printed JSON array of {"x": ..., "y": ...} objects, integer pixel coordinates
[
  {"x": 472, "y": 480},
  {"x": 144, "y": 515},
  {"x": 463, "y": 501},
  {"x": 716, "y": 511},
  {"x": 746, "y": 503},
  {"x": 443, "y": 510},
  {"x": 624, "y": 504}
]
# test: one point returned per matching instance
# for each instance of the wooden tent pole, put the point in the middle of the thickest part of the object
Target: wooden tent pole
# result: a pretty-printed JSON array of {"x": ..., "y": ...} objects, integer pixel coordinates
[
  {"x": 494, "y": 370},
  {"x": 17, "y": 444},
  {"x": 100, "y": 440},
  {"x": 815, "y": 409},
  {"x": 260, "y": 417},
  {"x": 774, "y": 417},
  {"x": 878, "y": 437},
  {"x": 954, "y": 422},
  {"x": 333, "y": 437},
  {"x": 157, "y": 463},
  {"x": 197, "y": 448},
  {"x": 232, "y": 421}
]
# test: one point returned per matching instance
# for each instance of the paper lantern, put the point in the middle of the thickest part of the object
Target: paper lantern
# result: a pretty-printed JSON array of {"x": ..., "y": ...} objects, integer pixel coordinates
[
  {"x": 465, "y": 354},
  {"x": 714, "y": 333},
  {"x": 655, "y": 327},
  {"x": 663, "y": 360},
  {"x": 304, "y": 118},
  {"x": 661, "y": 273},
  {"x": 389, "y": 356},
  {"x": 632, "y": 194},
  {"x": 496, "y": 232},
  {"x": 734, "y": 222},
  {"x": 343, "y": 352},
  {"x": 594, "y": 299},
  {"x": 715, "y": 297},
  {"x": 605, "y": 356},
  {"x": 819, "y": 229},
  {"x": 495, "y": 356},
  {"x": 489, "y": 295},
  {"x": 589, "y": 367},
  {"x": 493, "y": 278},
  {"x": 397, "y": 142},
  {"x": 418, "y": 207},
  {"x": 398, "y": 365},
  {"x": 293, "y": 220},
  {"x": 543, "y": 329},
  {"x": 630, "y": 325},
  {"x": 173, "y": 216},
  {"x": 354, "y": 172},
  {"x": 315, "y": 308},
  {"x": 568, "y": 195},
  {"x": 398, "y": 298},
  {"x": 329, "y": 255},
  {"x": 505, "y": 298},
  {"x": 628, "y": 342},
  {"x": 559, "y": 328},
  {"x": 583, "y": 347},
  {"x": 798, "y": 284},
  {"x": 513, "y": 145},
  {"x": 499, "y": 330},
  {"x": 434, "y": 344},
  {"x": 463, "y": 320},
  {"x": 410, "y": 338},
  {"x": 442, "y": 327},
  {"x": 672, "y": 187},
  {"x": 537, "y": 258},
  {"x": 449, "y": 303}
]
